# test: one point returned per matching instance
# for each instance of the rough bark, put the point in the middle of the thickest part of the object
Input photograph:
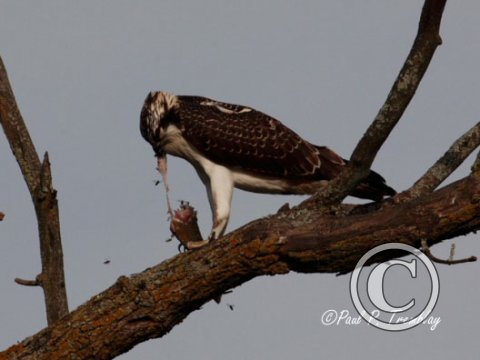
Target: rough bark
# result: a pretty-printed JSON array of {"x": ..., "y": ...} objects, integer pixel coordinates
[
  {"x": 306, "y": 239},
  {"x": 451, "y": 160},
  {"x": 147, "y": 305},
  {"x": 38, "y": 178}
]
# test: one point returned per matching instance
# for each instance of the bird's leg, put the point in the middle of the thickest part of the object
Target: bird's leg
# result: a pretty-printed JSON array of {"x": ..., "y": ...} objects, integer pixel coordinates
[
  {"x": 219, "y": 190},
  {"x": 219, "y": 225},
  {"x": 162, "y": 169}
]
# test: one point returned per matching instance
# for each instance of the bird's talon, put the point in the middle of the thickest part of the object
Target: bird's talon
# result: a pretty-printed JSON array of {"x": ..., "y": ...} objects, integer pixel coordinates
[
  {"x": 196, "y": 244},
  {"x": 181, "y": 248}
]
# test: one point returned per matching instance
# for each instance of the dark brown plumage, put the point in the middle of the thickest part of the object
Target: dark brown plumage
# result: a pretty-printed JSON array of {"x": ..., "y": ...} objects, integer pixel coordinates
[{"x": 237, "y": 146}]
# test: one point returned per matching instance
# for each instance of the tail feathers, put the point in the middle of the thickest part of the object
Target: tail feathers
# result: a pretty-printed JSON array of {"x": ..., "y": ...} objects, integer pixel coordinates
[{"x": 373, "y": 187}]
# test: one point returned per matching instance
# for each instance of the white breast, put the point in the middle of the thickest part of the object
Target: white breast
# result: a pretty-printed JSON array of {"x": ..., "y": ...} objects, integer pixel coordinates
[
  {"x": 259, "y": 184},
  {"x": 174, "y": 144}
]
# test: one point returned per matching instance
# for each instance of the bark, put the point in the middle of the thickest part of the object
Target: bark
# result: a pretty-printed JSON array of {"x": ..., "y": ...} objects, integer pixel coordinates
[
  {"x": 449, "y": 162},
  {"x": 38, "y": 178},
  {"x": 325, "y": 237},
  {"x": 147, "y": 305}
]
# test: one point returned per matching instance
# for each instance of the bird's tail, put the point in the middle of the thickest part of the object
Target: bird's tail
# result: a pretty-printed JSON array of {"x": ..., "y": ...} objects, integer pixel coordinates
[{"x": 373, "y": 187}]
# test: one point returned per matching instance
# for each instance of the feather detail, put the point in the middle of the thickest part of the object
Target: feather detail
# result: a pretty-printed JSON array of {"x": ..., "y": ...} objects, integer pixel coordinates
[{"x": 244, "y": 138}]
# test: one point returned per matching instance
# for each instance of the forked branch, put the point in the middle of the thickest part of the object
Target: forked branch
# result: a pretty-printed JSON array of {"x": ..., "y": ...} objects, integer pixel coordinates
[
  {"x": 149, "y": 304},
  {"x": 38, "y": 178}
]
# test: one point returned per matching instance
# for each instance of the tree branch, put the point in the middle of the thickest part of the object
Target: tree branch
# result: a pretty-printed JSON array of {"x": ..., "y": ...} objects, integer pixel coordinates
[
  {"x": 450, "y": 260},
  {"x": 451, "y": 160},
  {"x": 405, "y": 86},
  {"x": 38, "y": 178},
  {"x": 24, "y": 282},
  {"x": 402, "y": 92},
  {"x": 476, "y": 165},
  {"x": 149, "y": 304}
]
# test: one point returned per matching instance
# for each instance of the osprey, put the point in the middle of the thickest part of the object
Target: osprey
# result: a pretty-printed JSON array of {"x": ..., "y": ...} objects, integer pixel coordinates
[{"x": 237, "y": 146}]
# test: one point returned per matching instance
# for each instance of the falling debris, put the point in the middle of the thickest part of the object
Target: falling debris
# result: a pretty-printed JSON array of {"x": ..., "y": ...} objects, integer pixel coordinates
[{"x": 218, "y": 298}]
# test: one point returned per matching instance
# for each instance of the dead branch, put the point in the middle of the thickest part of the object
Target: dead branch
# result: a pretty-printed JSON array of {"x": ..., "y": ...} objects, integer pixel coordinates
[
  {"x": 24, "y": 282},
  {"x": 451, "y": 160},
  {"x": 450, "y": 260},
  {"x": 147, "y": 305},
  {"x": 38, "y": 178},
  {"x": 402, "y": 92}
]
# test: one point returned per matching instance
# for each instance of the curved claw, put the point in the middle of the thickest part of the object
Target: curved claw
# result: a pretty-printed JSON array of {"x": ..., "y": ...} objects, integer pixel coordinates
[{"x": 181, "y": 248}]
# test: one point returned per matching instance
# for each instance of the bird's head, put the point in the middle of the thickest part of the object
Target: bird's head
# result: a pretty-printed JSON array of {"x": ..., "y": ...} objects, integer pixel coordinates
[{"x": 154, "y": 117}]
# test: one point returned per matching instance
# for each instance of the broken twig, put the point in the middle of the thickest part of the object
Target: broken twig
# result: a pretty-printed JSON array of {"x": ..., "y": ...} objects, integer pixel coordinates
[
  {"x": 24, "y": 282},
  {"x": 449, "y": 261}
]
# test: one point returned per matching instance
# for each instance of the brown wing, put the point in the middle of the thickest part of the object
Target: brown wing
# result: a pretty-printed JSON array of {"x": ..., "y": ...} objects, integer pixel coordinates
[{"x": 241, "y": 137}]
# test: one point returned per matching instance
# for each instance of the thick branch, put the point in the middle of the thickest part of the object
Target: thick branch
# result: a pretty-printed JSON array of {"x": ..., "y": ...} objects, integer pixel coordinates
[
  {"x": 402, "y": 92},
  {"x": 147, "y": 305},
  {"x": 38, "y": 178},
  {"x": 52, "y": 276}
]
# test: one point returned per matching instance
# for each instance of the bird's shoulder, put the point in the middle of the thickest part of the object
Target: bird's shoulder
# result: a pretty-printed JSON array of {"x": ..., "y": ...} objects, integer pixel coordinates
[
  {"x": 205, "y": 103},
  {"x": 240, "y": 136}
]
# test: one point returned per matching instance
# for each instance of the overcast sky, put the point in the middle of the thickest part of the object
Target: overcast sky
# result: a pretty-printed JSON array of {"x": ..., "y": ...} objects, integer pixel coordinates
[{"x": 80, "y": 72}]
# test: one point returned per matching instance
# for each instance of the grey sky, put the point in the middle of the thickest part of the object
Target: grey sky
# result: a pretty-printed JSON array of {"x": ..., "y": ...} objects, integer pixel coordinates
[{"x": 80, "y": 72}]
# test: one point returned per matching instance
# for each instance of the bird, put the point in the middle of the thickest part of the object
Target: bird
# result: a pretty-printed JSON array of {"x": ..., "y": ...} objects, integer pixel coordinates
[{"x": 235, "y": 146}]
